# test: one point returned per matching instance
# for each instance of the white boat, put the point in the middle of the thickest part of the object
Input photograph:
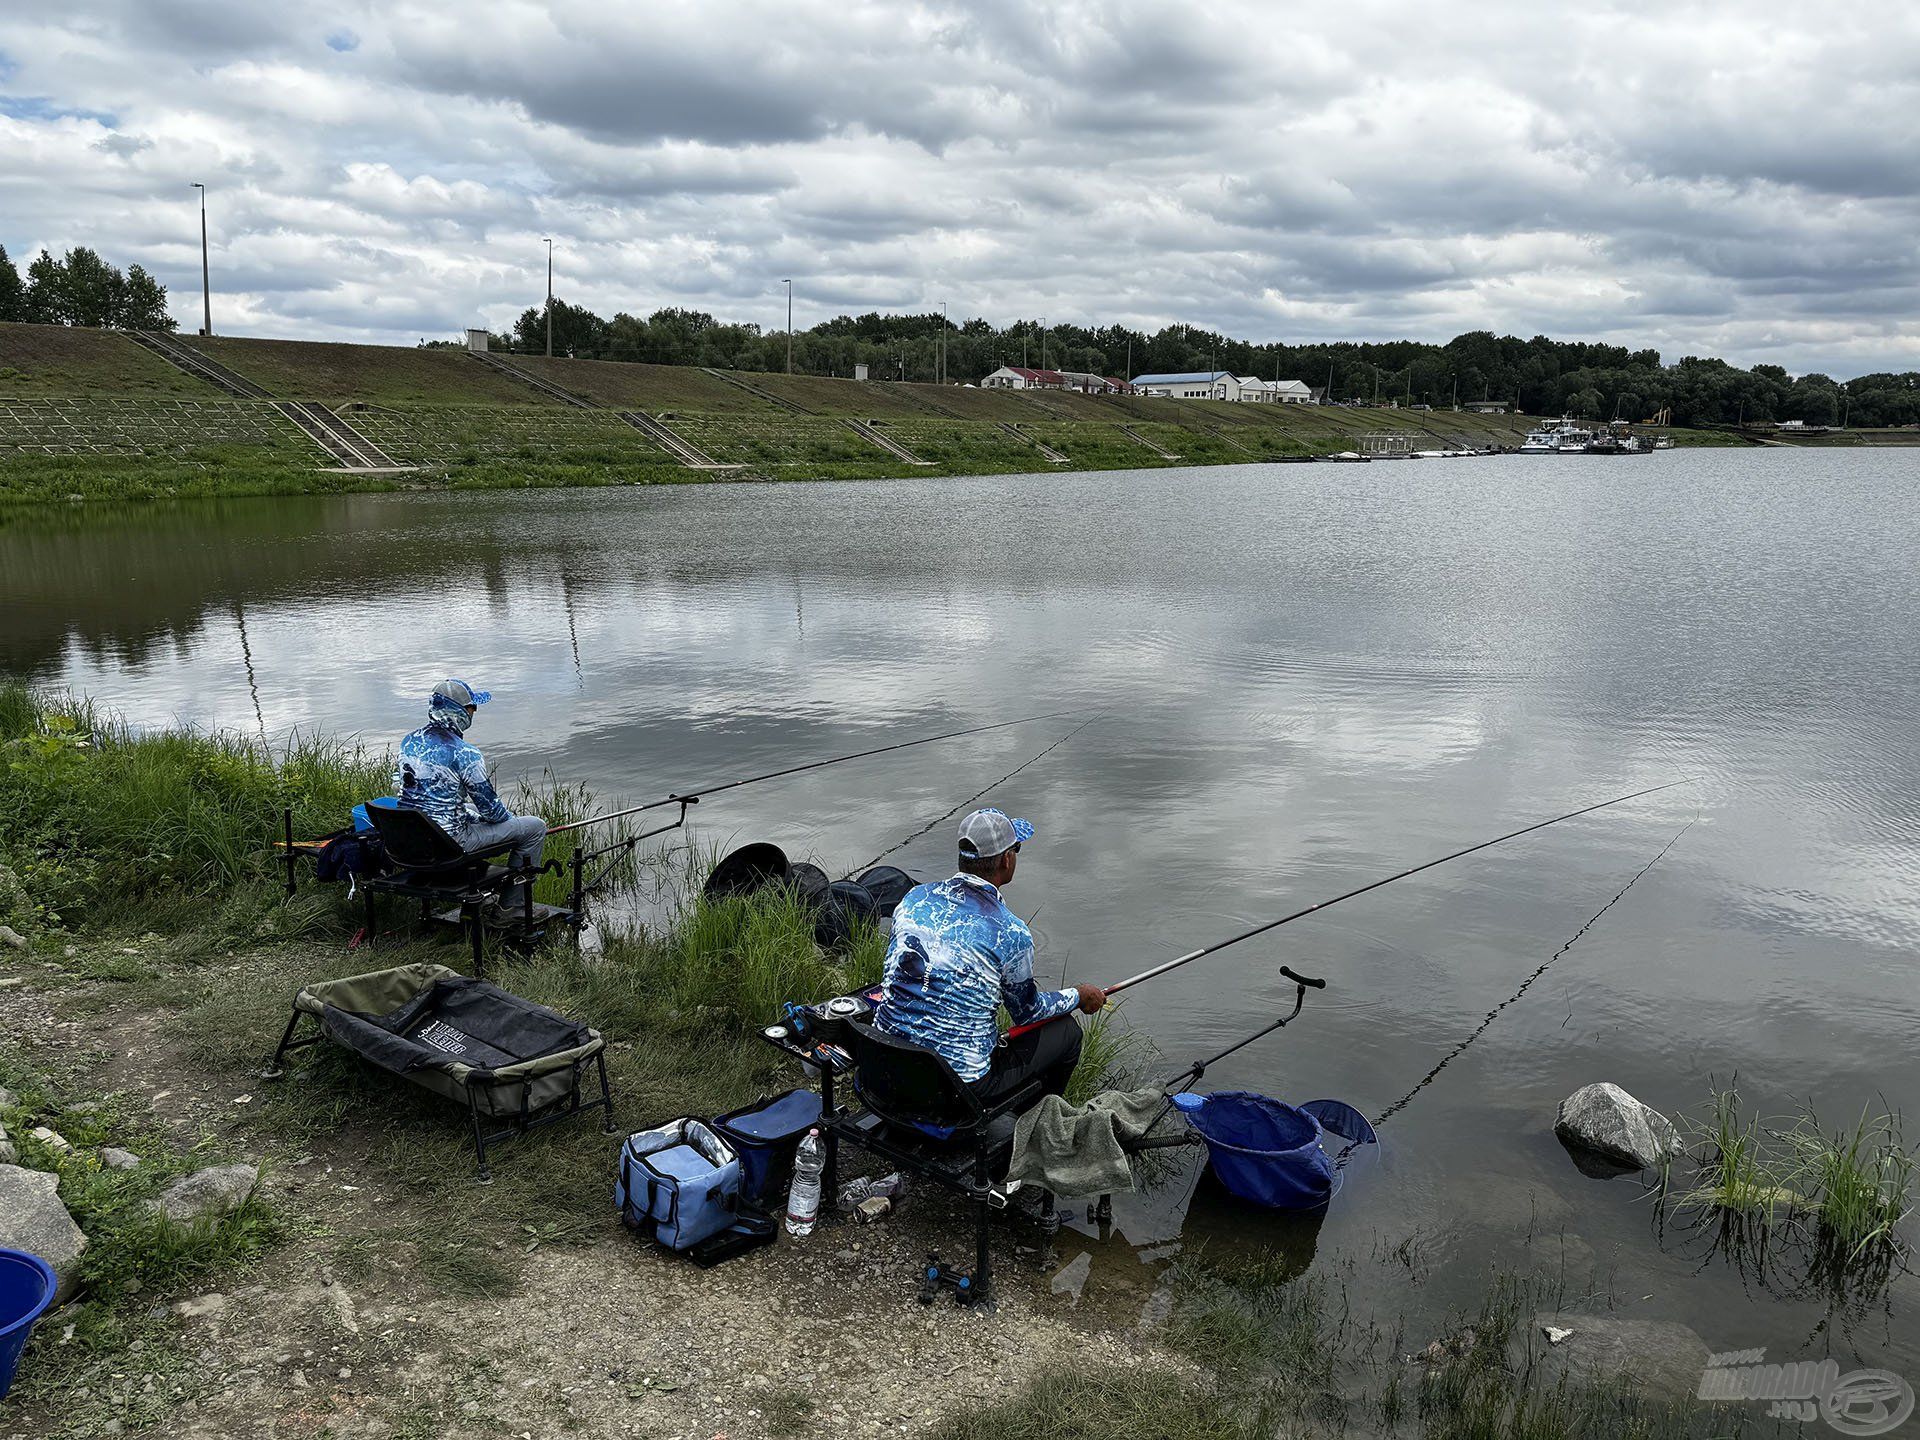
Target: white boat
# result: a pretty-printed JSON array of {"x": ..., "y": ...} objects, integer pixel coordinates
[{"x": 1557, "y": 437}]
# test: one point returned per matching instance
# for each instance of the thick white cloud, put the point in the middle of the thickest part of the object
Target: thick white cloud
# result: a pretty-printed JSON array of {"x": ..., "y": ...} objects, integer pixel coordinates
[{"x": 1693, "y": 177}]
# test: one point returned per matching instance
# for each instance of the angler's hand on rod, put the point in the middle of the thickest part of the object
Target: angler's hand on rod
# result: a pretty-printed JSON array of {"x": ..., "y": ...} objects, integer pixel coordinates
[{"x": 1092, "y": 999}]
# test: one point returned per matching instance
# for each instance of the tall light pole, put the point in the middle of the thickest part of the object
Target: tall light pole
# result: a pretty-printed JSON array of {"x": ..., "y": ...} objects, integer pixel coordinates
[
  {"x": 548, "y": 239},
  {"x": 943, "y": 342},
  {"x": 1043, "y": 342},
  {"x": 789, "y": 285},
  {"x": 206, "y": 283}
]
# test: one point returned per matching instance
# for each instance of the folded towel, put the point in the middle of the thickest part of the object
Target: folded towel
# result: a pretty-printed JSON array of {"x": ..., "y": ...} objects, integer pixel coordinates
[{"x": 1082, "y": 1149}]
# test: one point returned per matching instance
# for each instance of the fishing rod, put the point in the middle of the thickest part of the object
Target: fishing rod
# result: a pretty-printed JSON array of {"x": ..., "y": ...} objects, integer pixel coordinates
[
  {"x": 693, "y": 797},
  {"x": 1219, "y": 945}
]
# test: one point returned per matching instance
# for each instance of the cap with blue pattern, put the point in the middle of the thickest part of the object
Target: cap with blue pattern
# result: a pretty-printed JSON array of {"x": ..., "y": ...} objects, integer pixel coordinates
[{"x": 987, "y": 833}]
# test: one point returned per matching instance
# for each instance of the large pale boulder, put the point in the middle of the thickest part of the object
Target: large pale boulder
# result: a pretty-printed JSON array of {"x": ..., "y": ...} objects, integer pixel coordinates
[
  {"x": 33, "y": 1219},
  {"x": 208, "y": 1193},
  {"x": 1609, "y": 1122}
]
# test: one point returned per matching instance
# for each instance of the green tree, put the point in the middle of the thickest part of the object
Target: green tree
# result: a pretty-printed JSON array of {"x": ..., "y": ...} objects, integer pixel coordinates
[
  {"x": 13, "y": 292},
  {"x": 46, "y": 291},
  {"x": 95, "y": 291},
  {"x": 143, "y": 302}
]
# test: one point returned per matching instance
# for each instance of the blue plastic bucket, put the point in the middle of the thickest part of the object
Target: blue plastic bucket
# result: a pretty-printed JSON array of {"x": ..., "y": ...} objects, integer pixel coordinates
[{"x": 26, "y": 1290}]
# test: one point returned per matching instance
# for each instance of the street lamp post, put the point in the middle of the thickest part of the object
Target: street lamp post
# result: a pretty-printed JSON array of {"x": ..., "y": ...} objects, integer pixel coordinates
[
  {"x": 789, "y": 285},
  {"x": 943, "y": 342},
  {"x": 206, "y": 283},
  {"x": 1043, "y": 342},
  {"x": 548, "y": 240}
]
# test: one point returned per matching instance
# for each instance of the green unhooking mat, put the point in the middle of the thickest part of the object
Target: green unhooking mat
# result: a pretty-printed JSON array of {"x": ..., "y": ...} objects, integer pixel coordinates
[{"x": 457, "y": 1036}]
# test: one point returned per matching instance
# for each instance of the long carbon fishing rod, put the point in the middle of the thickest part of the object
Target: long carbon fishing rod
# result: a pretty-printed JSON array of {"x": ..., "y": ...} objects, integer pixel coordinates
[
  {"x": 1219, "y": 945},
  {"x": 694, "y": 795}
]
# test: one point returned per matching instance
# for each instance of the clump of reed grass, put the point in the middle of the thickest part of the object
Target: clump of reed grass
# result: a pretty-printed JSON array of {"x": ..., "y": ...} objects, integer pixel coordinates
[
  {"x": 1794, "y": 1202},
  {"x": 1860, "y": 1179}
]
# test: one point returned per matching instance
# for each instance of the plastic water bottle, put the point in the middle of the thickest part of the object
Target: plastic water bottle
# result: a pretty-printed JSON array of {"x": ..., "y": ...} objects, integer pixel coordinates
[{"x": 803, "y": 1197}]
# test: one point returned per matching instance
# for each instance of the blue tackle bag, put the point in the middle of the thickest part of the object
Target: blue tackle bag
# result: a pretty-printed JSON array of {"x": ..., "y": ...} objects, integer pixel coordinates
[
  {"x": 679, "y": 1183},
  {"x": 766, "y": 1134}
]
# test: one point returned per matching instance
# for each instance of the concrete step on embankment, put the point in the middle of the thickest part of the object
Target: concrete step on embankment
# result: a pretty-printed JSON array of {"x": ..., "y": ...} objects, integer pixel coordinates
[
  {"x": 1139, "y": 439},
  {"x": 201, "y": 367},
  {"x": 891, "y": 446},
  {"x": 678, "y": 446},
  {"x": 334, "y": 435},
  {"x": 545, "y": 387},
  {"x": 1046, "y": 450},
  {"x": 752, "y": 389}
]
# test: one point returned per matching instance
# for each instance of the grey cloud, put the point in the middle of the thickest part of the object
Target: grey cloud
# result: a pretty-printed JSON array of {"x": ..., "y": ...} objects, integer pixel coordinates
[{"x": 1367, "y": 171}]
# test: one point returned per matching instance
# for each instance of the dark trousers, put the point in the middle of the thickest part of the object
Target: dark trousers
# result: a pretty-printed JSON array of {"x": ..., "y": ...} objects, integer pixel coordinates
[{"x": 1050, "y": 1052}]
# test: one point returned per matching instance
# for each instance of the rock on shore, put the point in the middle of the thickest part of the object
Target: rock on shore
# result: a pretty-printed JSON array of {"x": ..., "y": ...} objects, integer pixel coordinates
[
  {"x": 33, "y": 1219},
  {"x": 211, "y": 1192}
]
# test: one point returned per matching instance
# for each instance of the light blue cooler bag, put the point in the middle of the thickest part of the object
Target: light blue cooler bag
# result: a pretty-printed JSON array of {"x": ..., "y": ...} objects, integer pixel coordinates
[{"x": 679, "y": 1183}]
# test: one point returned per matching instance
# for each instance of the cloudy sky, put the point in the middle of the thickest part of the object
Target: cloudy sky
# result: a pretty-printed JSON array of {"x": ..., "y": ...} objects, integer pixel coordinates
[{"x": 1738, "y": 180}]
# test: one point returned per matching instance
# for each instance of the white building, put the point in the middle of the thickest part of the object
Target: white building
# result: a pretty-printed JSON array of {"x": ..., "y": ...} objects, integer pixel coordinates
[
  {"x": 1222, "y": 385},
  {"x": 1195, "y": 385}
]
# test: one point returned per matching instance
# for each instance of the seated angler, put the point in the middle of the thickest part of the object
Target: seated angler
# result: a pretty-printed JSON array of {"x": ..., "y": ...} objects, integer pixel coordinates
[
  {"x": 444, "y": 776},
  {"x": 958, "y": 954}
]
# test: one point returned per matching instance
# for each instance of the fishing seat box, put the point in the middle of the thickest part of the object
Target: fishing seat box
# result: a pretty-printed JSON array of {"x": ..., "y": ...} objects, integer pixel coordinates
[{"x": 766, "y": 1135}]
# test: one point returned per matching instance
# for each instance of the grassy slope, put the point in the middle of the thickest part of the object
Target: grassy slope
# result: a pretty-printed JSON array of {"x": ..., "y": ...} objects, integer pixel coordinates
[
  {"x": 379, "y": 374},
  {"x": 652, "y": 388},
  {"x": 55, "y": 360}
]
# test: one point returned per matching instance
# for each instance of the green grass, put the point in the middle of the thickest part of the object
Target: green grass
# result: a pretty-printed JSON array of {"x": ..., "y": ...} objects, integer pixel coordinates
[
  {"x": 655, "y": 389},
  {"x": 336, "y": 374},
  {"x": 134, "y": 1258},
  {"x": 61, "y": 360}
]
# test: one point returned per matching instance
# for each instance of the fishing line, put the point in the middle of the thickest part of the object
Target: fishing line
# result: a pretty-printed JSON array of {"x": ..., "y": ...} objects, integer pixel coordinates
[
  {"x": 970, "y": 799},
  {"x": 1372, "y": 885},
  {"x": 1480, "y": 1029},
  {"x": 691, "y": 796}
]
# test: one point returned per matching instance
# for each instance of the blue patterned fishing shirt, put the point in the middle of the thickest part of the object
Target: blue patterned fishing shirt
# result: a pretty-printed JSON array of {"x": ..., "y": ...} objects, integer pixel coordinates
[
  {"x": 444, "y": 776},
  {"x": 957, "y": 955}
]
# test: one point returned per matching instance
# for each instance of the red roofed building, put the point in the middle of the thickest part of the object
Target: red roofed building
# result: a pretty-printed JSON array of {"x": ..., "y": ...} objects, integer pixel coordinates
[{"x": 1019, "y": 377}]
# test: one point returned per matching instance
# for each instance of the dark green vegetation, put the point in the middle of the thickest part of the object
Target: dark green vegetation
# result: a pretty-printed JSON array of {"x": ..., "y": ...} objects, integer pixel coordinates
[{"x": 1540, "y": 376}]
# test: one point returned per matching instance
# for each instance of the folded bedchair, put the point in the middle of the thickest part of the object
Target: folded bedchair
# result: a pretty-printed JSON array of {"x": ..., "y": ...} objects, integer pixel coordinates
[{"x": 515, "y": 1065}]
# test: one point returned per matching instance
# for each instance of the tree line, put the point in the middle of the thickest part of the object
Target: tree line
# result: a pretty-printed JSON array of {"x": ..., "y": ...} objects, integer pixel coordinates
[
  {"x": 1541, "y": 376},
  {"x": 82, "y": 289}
]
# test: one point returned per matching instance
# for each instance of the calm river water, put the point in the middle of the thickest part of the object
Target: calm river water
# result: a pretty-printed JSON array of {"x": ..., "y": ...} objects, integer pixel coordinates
[{"x": 1304, "y": 676}]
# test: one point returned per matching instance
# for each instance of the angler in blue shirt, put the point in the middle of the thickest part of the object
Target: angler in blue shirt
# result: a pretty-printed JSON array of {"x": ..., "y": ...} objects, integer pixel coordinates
[
  {"x": 443, "y": 775},
  {"x": 958, "y": 954}
]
